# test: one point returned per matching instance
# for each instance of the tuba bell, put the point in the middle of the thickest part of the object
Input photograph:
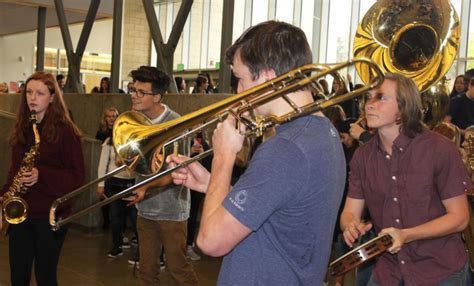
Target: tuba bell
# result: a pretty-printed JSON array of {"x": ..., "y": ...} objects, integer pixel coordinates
[{"x": 416, "y": 38}]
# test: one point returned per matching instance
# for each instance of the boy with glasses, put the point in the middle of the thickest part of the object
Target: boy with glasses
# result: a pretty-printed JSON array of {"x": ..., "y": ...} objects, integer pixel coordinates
[{"x": 162, "y": 218}]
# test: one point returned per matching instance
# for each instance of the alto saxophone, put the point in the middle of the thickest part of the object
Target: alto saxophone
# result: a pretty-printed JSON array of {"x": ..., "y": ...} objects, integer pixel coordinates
[{"x": 15, "y": 209}]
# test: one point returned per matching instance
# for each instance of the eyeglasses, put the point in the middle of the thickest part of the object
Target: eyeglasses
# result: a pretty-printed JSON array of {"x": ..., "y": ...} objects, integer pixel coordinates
[{"x": 140, "y": 93}]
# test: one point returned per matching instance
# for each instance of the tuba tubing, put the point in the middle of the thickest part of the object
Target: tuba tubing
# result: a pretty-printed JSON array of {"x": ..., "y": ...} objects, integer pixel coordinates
[{"x": 138, "y": 144}]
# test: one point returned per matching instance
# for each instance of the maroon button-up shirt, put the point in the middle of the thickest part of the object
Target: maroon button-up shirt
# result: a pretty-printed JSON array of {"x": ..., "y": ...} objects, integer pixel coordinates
[
  {"x": 404, "y": 190},
  {"x": 60, "y": 166}
]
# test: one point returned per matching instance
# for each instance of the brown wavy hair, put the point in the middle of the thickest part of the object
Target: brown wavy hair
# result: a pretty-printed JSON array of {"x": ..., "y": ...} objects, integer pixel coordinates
[
  {"x": 56, "y": 113},
  {"x": 409, "y": 105}
]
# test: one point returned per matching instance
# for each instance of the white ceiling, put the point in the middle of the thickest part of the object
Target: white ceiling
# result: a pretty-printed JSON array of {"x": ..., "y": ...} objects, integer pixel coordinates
[{"x": 18, "y": 16}]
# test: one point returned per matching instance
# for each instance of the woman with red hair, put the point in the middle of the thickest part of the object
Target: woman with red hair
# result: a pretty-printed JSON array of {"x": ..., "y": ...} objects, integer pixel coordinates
[{"x": 58, "y": 169}]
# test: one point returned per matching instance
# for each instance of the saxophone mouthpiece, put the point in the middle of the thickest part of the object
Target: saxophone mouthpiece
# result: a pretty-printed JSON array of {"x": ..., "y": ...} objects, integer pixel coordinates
[
  {"x": 33, "y": 117},
  {"x": 34, "y": 122}
]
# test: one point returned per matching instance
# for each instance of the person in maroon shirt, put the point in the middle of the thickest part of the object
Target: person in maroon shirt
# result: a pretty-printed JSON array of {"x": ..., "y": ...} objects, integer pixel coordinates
[
  {"x": 413, "y": 183},
  {"x": 58, "y": 169}
]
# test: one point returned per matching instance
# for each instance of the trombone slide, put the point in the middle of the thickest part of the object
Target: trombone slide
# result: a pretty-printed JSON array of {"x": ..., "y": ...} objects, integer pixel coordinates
[{"x": 143, "y": 146}]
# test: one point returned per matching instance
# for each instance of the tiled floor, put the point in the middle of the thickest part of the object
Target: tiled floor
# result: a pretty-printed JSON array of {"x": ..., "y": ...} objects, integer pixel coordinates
[{"x": 84, "y": 262}]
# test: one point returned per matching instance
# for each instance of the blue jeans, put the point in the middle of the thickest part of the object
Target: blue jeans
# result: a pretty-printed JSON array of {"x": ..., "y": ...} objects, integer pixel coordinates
[{"x": 460, "y": 278}]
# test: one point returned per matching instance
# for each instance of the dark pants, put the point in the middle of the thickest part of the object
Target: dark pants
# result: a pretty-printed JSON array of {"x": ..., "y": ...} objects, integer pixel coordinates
[
  {"x": 105, "y": 216},
  {"x": 118, "y": 210},
  {"x": 34, "y": 241},
  {"x": 196, "y": 199}
]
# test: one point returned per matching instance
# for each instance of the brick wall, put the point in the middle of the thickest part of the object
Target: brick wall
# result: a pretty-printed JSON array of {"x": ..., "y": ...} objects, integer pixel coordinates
[{"x": 136, "y": 37}]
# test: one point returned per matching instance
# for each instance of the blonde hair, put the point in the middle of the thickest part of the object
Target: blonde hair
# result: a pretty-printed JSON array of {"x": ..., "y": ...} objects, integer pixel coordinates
[{"x": 103, "y": 121}]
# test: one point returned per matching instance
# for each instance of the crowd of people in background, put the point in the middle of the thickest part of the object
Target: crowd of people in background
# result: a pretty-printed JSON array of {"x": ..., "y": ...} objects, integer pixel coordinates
[
  {"x": 164, "y": 218},
  {"x": 202, "y": 84}
]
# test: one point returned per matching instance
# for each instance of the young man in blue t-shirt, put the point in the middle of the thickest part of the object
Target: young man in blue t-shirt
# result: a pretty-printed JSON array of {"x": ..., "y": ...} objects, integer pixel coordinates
[{"x": 275, "y": 225}]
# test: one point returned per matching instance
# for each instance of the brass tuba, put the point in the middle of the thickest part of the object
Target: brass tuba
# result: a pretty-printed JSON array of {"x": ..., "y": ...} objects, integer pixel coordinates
[
  {"x": 416, "y": 38},
  {"x": 15, "y": 208}
]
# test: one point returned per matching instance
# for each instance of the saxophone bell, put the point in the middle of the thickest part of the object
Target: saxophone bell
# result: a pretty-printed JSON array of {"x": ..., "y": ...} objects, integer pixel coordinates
[{"x": 15, "y": 210}]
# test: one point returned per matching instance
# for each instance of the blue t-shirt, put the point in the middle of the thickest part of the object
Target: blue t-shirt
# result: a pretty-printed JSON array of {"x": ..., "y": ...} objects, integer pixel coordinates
[{"x": 289, "y": 196}]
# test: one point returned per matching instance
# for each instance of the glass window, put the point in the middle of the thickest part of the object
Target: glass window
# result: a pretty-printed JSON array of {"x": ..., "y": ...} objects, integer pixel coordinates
[
  {"x": 259, "y": 11},
  {"x": 284, "y": 10},
  {"x": 162, "y": 18},
  {"x": 215, "y": 33},
  {"x": 178, "y": 53},
  {"x": 196, "y": 35},
  {"x": 335, "y": 20},
  {"x": 453, "y": 71},
  {"x": 307, "y": 20},
  {"x": 339, "y": 31},
  {"x": 239, "y": 14},
  {"x": 470, "y": 43},
  {"x": 170, "y": 18}
]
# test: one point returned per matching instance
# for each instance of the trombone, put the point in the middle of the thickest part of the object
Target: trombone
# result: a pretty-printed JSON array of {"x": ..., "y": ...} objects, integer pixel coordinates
[{"x": 143, "y": 146}]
